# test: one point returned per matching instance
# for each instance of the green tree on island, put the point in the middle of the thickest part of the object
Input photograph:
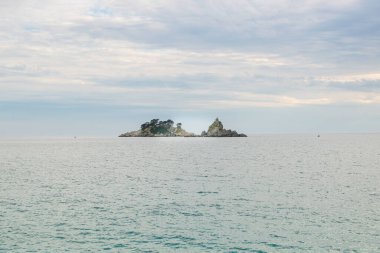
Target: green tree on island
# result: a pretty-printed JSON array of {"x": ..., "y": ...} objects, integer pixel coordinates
[{"x": 155, "y": 126}]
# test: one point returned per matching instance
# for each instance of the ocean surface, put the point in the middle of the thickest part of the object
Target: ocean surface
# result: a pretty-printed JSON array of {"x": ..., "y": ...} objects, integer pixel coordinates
[{"x": 264, "y": 193}]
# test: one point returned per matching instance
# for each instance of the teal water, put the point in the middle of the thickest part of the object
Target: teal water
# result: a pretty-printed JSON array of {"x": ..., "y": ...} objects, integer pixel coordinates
[{"x": 279, "y": 193}]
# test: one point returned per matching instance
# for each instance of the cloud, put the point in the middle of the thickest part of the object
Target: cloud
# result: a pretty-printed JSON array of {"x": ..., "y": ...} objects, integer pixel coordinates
[
  {"x": 352, "y": 78},
  {"x": 190, "y": 54}
]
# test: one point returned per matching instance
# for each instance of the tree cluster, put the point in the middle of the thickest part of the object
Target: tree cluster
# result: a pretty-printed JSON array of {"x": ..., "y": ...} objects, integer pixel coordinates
[{"x": 155, "y": 126}]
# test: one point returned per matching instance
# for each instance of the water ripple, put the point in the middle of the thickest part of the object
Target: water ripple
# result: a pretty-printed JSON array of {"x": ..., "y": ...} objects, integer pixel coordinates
[{"x": 259, "y": 194}]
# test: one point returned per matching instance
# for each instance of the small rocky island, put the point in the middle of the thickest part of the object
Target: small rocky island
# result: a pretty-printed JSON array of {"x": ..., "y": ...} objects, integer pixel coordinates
[
  {"x": 157, "y": 128},
  {"x": 216, "y": 130}
]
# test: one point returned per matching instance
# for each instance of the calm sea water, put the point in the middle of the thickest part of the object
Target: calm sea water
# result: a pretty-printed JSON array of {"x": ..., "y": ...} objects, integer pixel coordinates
[{"x": 279, "y": 193}]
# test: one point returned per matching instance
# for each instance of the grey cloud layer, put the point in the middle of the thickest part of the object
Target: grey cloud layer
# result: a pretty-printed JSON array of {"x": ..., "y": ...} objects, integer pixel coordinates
[{"x": 194, "y": 53}]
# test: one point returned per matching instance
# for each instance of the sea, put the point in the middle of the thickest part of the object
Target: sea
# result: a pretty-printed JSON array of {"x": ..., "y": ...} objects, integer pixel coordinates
[{"x": 264, "y": 193}]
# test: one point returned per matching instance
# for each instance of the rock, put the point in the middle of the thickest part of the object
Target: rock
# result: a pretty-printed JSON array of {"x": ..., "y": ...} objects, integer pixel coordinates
[
  {"x": 183, "y": 133},
  {"x": 131, "y": 134},
  {"x": 216, "y": 130}
]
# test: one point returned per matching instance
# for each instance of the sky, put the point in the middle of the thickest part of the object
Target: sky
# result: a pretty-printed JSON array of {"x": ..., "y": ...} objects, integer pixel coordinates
[{"x": 103, "y": 67}]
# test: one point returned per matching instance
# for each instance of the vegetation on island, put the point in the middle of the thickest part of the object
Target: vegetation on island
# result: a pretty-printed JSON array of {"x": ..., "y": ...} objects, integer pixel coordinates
[
  {"x": 155, "y": 126},
  {"x": 158, "y": 128}
]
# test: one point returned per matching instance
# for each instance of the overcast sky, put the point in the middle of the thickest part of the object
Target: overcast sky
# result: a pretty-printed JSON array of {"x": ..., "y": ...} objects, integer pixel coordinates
[{"x": 99, "y": 68}]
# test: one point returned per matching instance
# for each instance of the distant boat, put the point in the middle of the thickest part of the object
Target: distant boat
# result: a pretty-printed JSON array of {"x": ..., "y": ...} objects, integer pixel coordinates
[{"x": 318, "y": 136}]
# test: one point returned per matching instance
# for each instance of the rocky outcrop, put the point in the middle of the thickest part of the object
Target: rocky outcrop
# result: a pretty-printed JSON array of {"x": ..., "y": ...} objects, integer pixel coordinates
[
  {"x": 216, "y": 130},
  {"x": 132, "y": 134},
  {"x": 157, "y": 128}
]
